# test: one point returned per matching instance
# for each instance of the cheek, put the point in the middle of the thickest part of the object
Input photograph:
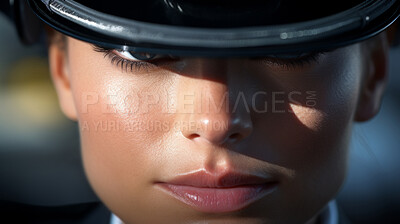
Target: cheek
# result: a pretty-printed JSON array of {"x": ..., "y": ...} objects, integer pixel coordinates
[
  {"x": 120, "y": 133},
  {"x": 311, "y": 141},
  {"x": 325, "y": 129},
  {"x": 311, "y": 127}
]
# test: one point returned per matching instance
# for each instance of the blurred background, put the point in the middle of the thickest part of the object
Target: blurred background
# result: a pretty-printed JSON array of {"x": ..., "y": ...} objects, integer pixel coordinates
[
  {"x": 41, "y": 175},
  {"x": 40, "y": 163}
]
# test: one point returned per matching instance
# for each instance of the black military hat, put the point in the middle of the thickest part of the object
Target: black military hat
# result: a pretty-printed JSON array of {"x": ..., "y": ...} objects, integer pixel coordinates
[{"x": 219, "y": 27}]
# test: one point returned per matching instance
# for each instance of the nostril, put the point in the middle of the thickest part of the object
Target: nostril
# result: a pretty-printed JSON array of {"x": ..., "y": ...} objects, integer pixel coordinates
[
  {"x": 217, "y": 129},
  {"x": 235, "y": 136},
  {"x": 193, "y": 136}
]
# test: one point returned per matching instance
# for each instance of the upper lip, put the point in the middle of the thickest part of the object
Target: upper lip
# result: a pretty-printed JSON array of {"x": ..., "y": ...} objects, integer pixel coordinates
[{"x": 203, "y": 179}]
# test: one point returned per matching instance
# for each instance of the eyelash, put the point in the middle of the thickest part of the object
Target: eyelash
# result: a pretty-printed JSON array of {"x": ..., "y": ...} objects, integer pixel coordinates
[
  {"x": 286, "y": 63},
  {"x": 293, "y": 63},
  {"x": 126, "y": 64}
]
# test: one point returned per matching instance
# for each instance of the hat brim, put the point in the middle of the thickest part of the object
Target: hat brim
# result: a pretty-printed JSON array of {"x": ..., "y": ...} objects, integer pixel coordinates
[{"x": 350, "y": 26}]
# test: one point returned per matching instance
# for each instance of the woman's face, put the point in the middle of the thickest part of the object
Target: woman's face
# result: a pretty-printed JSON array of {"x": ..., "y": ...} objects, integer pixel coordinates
[{"x": 194, "y": 140}]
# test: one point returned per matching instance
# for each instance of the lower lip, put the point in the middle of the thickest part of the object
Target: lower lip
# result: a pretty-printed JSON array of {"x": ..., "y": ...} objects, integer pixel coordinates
[{"x": 218, "y": 200}]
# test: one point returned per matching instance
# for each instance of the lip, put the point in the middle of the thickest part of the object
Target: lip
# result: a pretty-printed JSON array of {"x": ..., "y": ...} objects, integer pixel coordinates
[{"x": 227, "y": 192}]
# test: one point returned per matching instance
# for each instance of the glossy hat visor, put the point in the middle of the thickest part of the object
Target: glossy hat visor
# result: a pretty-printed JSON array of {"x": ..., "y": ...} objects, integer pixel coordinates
[{"x": 219, "y": 28}]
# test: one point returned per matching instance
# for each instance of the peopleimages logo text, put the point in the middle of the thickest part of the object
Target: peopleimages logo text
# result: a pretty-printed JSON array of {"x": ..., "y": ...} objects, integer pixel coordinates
[{"x": 194, "y": 103}]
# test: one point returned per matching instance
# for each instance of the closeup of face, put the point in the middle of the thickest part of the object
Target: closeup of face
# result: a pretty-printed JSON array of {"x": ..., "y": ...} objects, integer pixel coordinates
[{"x": 217, "y": 140}]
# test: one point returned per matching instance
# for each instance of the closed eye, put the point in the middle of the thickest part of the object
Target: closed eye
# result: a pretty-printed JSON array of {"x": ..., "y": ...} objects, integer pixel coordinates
[
  {"x": 292, "y": 61},
  {"x": 133, "y": 56},
  {"x": 134, "y": 61}
]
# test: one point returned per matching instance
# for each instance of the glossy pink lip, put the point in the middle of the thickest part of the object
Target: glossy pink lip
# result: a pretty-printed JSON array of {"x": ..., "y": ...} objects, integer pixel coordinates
[{"x": 217, "y": 194}]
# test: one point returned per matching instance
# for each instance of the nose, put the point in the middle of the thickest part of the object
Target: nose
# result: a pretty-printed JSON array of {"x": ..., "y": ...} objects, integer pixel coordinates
[{"x": 218, "y": 116}]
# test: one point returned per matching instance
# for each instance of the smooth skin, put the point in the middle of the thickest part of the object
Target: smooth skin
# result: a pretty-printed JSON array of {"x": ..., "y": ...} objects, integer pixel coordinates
[{"x": 301, "y": 140}]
